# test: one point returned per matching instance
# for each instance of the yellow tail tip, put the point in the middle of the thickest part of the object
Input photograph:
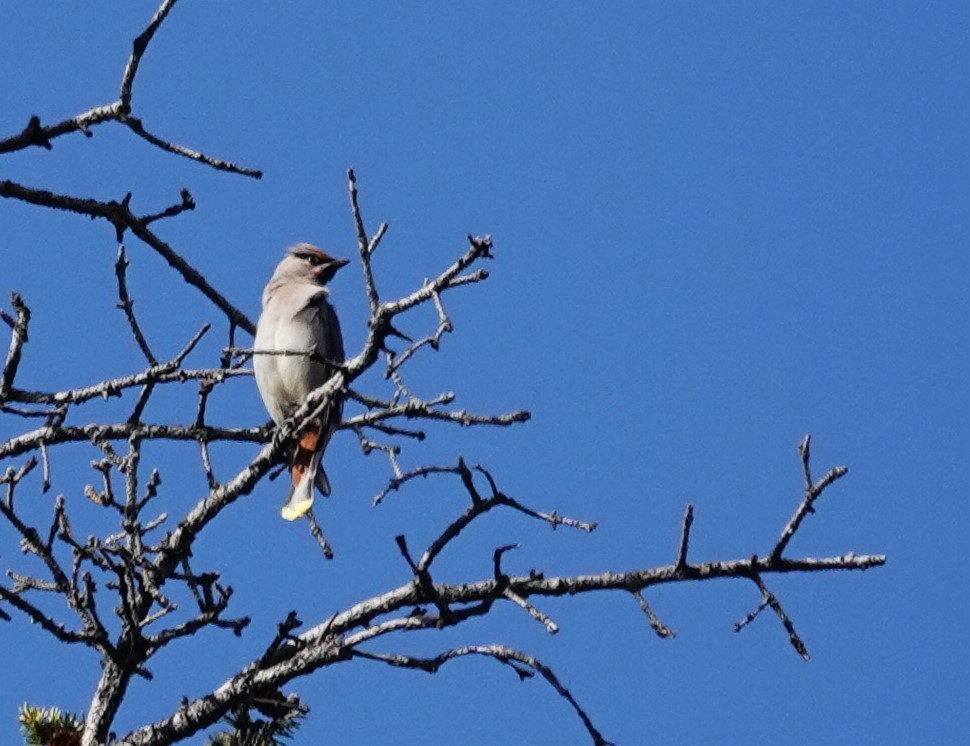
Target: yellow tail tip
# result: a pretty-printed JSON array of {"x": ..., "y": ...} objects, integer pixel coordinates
[{"x": 295, "y": 509}]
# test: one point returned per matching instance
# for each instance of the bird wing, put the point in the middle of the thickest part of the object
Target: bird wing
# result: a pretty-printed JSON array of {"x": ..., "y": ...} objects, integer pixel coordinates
[{"x": 319, "y": 317}]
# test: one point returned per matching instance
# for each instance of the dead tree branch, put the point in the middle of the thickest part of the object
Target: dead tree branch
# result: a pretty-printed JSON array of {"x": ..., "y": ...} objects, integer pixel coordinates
[
  {"x": 37, "y": 135},
  {"x": 141, "y": 568},
  {"x": 339, "y": 637}
]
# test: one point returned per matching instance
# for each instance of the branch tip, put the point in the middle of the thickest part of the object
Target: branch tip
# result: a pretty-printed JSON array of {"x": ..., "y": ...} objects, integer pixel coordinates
[{"x": 685, "y": 537}]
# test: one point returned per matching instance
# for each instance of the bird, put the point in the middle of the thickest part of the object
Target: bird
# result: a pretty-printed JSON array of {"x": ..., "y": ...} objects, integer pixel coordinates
[{"x": 297, "y": 317}]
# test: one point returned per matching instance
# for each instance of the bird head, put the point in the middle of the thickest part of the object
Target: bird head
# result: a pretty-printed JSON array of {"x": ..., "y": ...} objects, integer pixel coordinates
[{"x": 306, "y": 262}]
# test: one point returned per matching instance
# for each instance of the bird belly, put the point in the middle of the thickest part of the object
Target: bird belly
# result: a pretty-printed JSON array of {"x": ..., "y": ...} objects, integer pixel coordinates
[{"x": 296, "y": 375}]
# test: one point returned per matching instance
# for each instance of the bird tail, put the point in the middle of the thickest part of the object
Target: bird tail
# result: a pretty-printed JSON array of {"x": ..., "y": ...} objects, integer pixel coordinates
[{"x": 306, "y": 472}]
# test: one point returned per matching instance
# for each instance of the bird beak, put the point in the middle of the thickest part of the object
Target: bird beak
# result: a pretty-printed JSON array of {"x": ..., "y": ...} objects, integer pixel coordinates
[{"x": 338, "y": 263}]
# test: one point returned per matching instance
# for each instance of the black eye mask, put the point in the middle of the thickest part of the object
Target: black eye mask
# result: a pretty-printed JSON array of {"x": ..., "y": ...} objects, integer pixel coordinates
[{"x": 314, "y": 259}]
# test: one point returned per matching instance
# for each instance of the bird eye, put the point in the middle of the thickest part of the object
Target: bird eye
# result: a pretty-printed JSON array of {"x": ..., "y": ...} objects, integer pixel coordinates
[{"x": 311, "y": 259}]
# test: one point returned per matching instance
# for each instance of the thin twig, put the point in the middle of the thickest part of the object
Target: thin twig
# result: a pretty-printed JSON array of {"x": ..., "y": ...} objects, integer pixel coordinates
[
  {"x": 364, "y": 246},
  {"x": 812, "y": 493},
  {"x": 551, "y": 627},
  {"x": 805, "y": 453},
  {"x": 434, "y": 341},
  {"x": 51, "y": 436},
  {"x": 120, "y": 216},
  {"x": 768, "y": 598},
  {"x": 136, "y": 126},
  {"x": 685, "y": 537},
  {"x": 502, "y": 654},
  {"x": 662, "y": 630},
  {"x": 127, "y": 306},
  {"x": 317, "y": 533},
  {"x": 396, "y": 482},
  {"x": 18, "y": 338}
]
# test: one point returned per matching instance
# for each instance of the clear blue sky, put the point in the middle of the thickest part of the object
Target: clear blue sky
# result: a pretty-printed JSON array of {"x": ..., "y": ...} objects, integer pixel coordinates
[{"x": 717, "y": 226}]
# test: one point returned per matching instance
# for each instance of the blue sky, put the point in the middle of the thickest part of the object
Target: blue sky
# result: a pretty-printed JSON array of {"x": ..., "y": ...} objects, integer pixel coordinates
[{"x": 717, "y": 227}]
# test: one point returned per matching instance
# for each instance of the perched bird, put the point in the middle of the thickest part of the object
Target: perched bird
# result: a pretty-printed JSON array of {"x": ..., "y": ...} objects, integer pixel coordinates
[{"x": 298, "y": 318}]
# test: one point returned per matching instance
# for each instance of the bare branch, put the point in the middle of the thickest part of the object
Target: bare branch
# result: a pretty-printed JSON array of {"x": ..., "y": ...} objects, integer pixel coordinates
[
  {"x": 72, "y": 434},
  {"x": 551, "y": 627},
  {"x": 395, "y": 483},
  {"x": 139, "y": 46},
  {"x": 480, "y": 506},
  {"x": 685, "y": 537},
  {"x": 479, "y": 248},
  {"x": 17, "y": 339},
  {"x": 662, "y": 630},
  {"x": 317, "y": 533},
  {"x": 751, "y": 616},
  {"x": 331, "y": 641},
  {"x": 185, "y": 205},
  {"x": 136, "y": 126},
  {"x": 45, "y": 460},
  {"x": 433, "y": 341},
  {"x": 768, "y": 599},
  {"x": 364, "y": 246},
  {"x": 502, "y": 654},
  {"x": 121, "y": 217},
  {"x": 143, "y": 571},
  {"x": 37, "y": 616},
  {"x": 35, "y": 134},
  {"x": 127, "y": 306},
  {"x": 418, "y": 410},
  {"x": 805, "y": 453},
  {"x": 812, "y": 493},
  {"x": 376, "y": 239},
  {"x": 166, "y": 373}
]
